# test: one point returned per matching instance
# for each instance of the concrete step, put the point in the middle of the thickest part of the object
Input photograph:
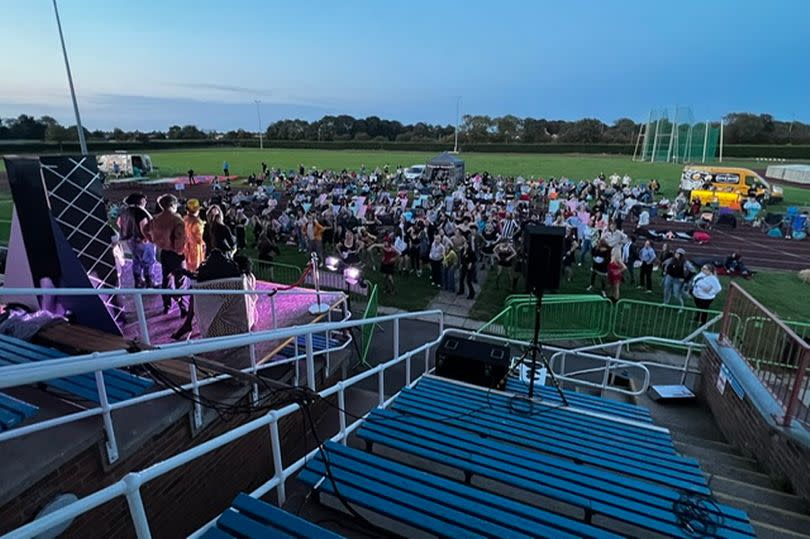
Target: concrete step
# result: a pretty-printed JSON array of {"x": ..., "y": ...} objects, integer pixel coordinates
[
  {"x": 685, "y": 437},
  {"x": 768, "y": 514},
  {"x": 765, "y": 530},
  {"x": 706, "y": 455},
  {"x": 761, "y": 495},
  {"x": 712, "y": 468}
]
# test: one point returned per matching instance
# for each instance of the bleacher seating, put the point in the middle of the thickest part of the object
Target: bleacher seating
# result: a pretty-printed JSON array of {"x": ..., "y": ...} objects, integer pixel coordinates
[
  {"x": 582, "y": 401},
  {"x": 621, "y": 470},
  {"x": 318, "y": 344},
  {"x": 432, "y": 503},
  {"x": 14, "y": 411},
  {"x": 120, "y": 385},
  {"x": 251, "y": 518},
  {"x": 638, "y": 449}
]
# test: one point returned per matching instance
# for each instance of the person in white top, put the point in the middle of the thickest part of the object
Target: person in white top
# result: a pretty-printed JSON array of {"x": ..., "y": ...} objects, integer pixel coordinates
[
  {"x": 436, "y": 255},
  {"x": 705, "y": 287}
]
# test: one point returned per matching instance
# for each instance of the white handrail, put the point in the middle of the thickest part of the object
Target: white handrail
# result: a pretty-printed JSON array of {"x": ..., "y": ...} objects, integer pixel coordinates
[
  {"x": 130, "y": 485},
  {"x": 40, "y": 371},
  {"x": 76, "y": 416},
  {"x": 139, "y": 293}
]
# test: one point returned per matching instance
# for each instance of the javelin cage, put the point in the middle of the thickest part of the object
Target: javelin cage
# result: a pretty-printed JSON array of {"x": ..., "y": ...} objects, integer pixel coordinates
[{"x": 675, "y": 137}]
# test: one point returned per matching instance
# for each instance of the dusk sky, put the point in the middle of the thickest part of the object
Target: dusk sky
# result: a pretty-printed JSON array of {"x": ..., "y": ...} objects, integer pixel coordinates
[{"x": 153, "y": 63}]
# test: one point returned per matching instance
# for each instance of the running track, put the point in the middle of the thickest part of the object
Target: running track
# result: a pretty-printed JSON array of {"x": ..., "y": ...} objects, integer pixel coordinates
[{"x": 757, "y": 249}]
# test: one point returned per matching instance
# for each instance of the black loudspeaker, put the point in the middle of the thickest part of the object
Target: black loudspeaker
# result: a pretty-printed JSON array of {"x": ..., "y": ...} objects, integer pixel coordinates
[
  {"x": 475, "y": 362},
  {"x": 543, "y": 246}
]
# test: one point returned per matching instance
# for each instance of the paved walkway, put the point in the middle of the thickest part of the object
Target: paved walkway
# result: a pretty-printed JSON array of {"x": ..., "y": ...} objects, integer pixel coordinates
[{"x": 456, "y": 307}]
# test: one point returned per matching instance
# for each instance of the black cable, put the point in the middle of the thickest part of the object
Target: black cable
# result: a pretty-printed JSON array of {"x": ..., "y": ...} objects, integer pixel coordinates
[
  {"x": 382, "y": 532},
  {"x": 698, "y": 515}
]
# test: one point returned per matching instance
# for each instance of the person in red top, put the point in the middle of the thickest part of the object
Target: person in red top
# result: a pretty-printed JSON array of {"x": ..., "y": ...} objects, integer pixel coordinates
[
  {"x": 614, "y": 273},
  {"x": 388, "y": 263}
]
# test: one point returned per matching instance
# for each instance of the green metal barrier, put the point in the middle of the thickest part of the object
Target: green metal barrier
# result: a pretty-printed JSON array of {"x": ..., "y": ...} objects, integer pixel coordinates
[
  {"x": 276, "y": 272},
  {"x": 562, "y": 317},
  {"x": 368, "y": 329},
  {"x": 633, "y": 318}
]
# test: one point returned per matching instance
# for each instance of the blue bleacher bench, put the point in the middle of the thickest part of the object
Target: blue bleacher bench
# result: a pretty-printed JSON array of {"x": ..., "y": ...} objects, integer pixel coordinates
[
  {"x": 585, "y": 402},
  {"x": 634, "y": 449},
  {"x": 618, "y": 492},
  {"x": 251, "y": 518},
  {"x": 120, "y": 385},
  {"x": 432, "y": 503},
  {"x": 14, "y": 411},
  {"x": 318, "y": 344}
]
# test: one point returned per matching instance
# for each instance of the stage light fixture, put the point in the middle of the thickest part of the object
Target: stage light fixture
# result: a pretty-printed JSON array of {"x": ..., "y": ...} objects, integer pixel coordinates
[
  {"x": 352, "y": 275},
  {"x": 332, "y": 263}
]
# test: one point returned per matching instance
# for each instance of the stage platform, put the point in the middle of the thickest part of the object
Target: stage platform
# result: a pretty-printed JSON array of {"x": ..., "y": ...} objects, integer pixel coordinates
[{"x": 290, "y": 310}]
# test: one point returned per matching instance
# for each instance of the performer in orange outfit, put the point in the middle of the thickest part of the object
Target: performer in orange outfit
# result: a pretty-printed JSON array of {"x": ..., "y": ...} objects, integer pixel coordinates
[{"x": 195, "y": 246}]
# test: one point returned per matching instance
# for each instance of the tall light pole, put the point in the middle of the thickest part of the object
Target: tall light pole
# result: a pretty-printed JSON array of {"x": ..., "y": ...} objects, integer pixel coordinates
[
  {"x": 455, "y": 135},
  {"x": 82, "y": 142},
  {"x": 259, "y": 114}
]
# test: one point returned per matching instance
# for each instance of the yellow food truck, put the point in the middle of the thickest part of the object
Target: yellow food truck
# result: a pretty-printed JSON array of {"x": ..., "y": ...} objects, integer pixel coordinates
[{"x": 742, "y": 182}]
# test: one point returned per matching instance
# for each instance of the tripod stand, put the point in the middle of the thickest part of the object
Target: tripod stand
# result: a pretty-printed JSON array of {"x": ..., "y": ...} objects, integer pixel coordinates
[{"x": 535, "y": 350}]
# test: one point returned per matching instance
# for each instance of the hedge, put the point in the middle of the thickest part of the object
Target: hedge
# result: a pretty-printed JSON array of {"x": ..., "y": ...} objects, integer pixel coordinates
[
  {"x": 753, "y": 151},
  {"x": 40, "y": 147}
]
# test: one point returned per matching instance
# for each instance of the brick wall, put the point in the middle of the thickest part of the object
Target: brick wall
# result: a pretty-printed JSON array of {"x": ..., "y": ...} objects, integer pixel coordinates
[
  {"x": 176, "y": 503},
  {"x": 784, "y": 459}
]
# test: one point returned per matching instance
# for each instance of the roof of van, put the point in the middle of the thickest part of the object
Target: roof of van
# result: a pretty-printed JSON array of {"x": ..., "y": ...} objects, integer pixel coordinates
[{"x": 718, "y": 168}]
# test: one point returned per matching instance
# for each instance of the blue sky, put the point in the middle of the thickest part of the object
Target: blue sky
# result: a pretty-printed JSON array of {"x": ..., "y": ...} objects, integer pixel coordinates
[{"x": 152, "y": 63}]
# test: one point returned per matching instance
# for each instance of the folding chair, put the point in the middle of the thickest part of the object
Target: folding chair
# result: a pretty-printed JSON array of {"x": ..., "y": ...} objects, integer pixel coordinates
[
  {"x": 773, "y": 222},
  {"x": 798, "y": 227}
]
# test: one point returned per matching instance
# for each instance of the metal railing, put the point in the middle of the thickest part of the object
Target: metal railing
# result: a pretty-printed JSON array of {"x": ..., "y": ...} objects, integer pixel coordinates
[
  {"x": 105, "y": 408},
  {"x": 773, "y": 350},
  {"x": 590, "y": 317},
  {"x": 564, "y": 317},
  {"x": 275, "y": 271},
  {"x": 633, "y": 318},
  {"x": 130, "y": 485}
]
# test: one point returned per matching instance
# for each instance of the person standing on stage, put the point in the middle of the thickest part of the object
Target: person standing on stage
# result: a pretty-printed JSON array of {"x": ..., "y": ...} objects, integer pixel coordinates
[
  {"x": 194, "y": 249},
  {"x": 226, "y": 169},
  {"x": 168, "y": 232},
  {"x": 133, "y": 230},
  {"x": 190, "y": 173}
]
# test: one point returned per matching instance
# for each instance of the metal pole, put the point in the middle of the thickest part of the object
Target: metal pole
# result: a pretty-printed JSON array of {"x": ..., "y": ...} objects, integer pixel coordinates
[
  {"x": 705, "y": 140},
  {"x": 278, "y": 466},
  {"x": 143, "y": 328},
  {"x": 310, "y": 363},
  {"x": 259, "y": 114},
  {"x": 109, "y": 429},
  {"x": 720, "y": 160},
  {"x": 82, "y": 142},
  {"x": 455, "y": 135},
  {"x": 793, "y": 401}
]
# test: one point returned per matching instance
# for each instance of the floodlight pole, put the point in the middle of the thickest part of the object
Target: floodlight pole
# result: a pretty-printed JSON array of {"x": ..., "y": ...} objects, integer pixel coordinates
[
  {"x": 455, "y": 135},
  {"x": 259, "y": 114},
  {"x": 82, "y": 142}
]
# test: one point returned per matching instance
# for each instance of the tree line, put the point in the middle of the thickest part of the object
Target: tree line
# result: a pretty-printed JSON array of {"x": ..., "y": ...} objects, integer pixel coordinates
[{"x": 740, "y": 128}]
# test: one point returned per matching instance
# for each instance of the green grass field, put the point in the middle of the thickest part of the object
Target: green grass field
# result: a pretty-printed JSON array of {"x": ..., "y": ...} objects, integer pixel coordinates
[{"x": 782, "y": 291}]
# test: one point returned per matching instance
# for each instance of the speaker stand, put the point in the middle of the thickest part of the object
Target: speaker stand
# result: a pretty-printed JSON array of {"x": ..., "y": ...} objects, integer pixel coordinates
[{"x": 535, "y": 350}]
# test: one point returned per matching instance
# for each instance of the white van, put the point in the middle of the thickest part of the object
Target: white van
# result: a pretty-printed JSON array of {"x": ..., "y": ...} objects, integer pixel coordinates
[{"x": 123, "y": 164}]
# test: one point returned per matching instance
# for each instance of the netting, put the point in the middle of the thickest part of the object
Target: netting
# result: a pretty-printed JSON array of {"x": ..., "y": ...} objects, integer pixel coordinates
[{"x": 676, "y": 138}]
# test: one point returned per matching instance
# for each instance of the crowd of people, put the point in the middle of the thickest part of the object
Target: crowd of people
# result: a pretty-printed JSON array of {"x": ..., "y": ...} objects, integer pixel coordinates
[{"x": 444, "y": 232}]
